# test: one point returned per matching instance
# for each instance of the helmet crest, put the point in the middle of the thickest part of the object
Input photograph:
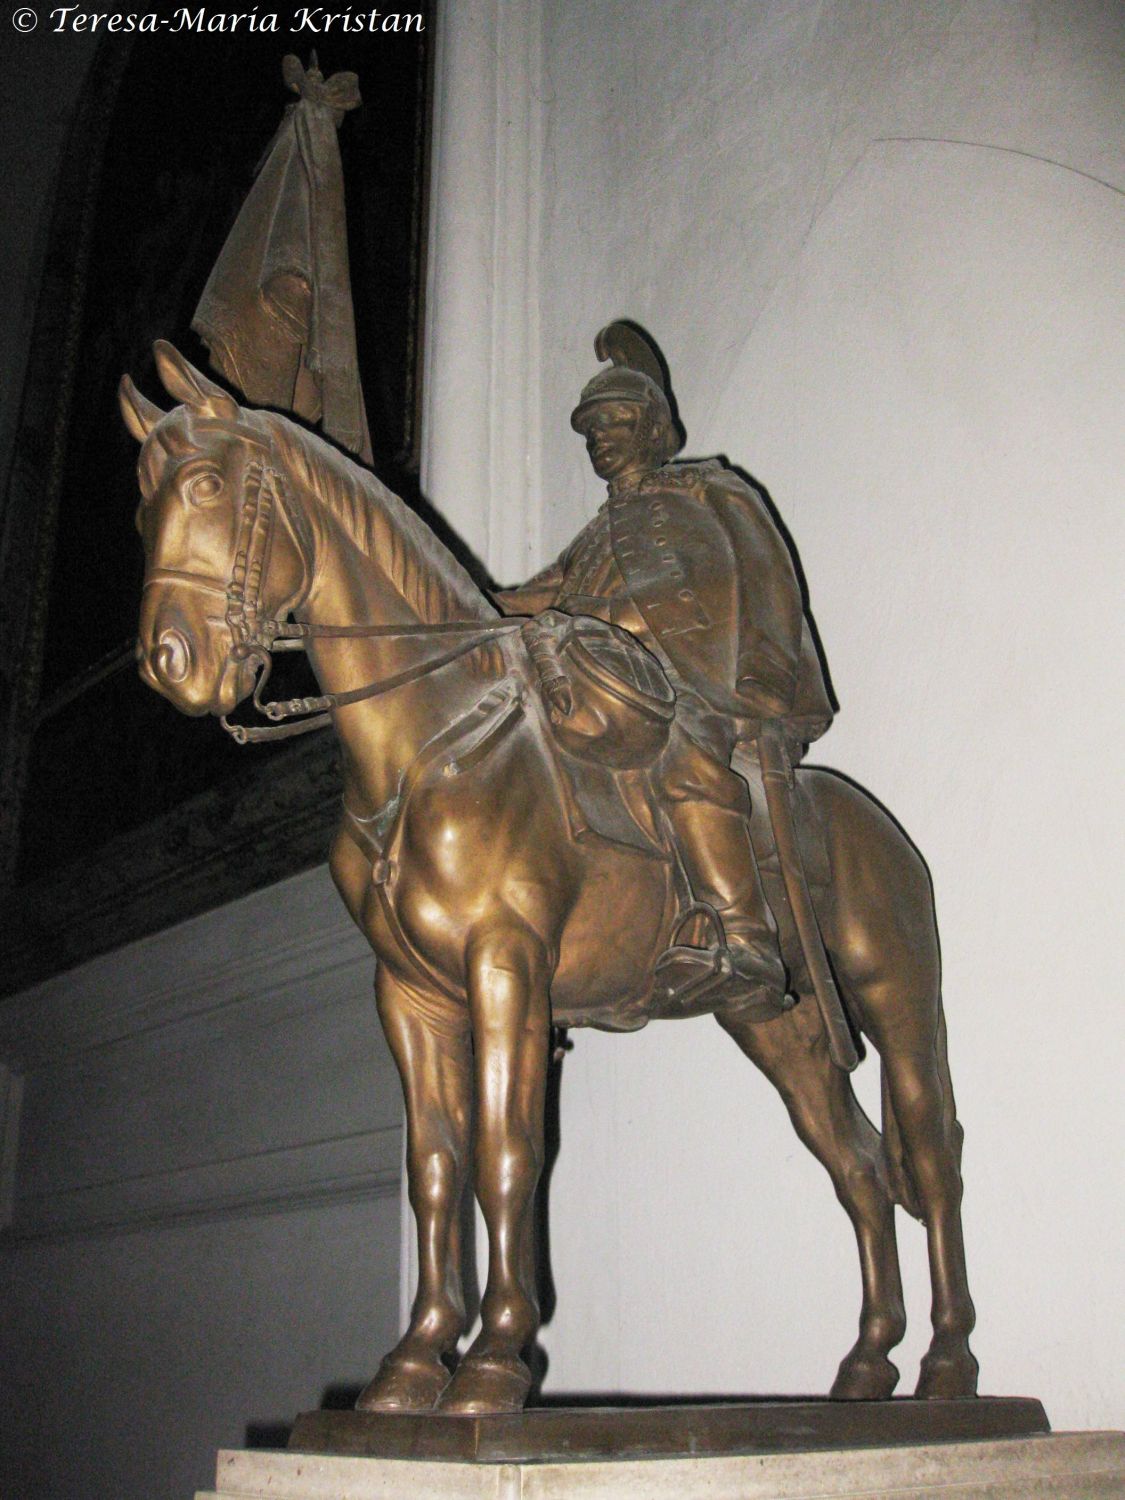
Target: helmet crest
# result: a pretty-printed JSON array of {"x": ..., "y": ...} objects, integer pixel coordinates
[{"x": 634, "y": 375}]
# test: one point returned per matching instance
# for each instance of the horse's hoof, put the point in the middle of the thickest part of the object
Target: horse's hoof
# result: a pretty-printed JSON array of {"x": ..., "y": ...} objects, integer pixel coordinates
[
  {"x": 487, "y": 1383},
  {"x": 948, "y": 1375},
  {"x": 408, "y": 1384},
  {"x": 864, "y": 1377}
]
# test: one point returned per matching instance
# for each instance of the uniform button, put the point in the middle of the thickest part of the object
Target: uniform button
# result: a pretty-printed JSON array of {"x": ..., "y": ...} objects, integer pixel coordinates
[{"x": 686, "y": 594}]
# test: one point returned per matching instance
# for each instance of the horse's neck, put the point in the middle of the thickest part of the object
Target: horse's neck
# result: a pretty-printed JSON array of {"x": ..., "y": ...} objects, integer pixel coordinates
[{"x": 381, "y": 735}]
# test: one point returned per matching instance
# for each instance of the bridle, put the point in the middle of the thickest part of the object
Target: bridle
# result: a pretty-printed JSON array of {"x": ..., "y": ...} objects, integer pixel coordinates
[{"x": 255, "y": 635}]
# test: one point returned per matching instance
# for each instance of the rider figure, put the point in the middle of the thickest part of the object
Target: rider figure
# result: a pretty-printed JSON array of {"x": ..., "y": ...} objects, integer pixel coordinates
[{"x": 686, "y": 558}]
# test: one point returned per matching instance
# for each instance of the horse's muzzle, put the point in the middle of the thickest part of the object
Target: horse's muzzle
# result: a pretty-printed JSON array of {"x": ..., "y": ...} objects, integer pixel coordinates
[{"x": 180, "y": 668}]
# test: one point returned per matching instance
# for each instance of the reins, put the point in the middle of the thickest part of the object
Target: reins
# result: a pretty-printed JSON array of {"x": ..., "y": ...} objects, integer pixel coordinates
[
  {"x": 254, "y": 636},
  {"x": 291, "y": 636}
]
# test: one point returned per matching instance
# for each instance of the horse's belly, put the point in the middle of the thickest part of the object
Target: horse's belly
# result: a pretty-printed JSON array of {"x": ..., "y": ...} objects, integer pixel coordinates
[{"x": 615, "y": 931}]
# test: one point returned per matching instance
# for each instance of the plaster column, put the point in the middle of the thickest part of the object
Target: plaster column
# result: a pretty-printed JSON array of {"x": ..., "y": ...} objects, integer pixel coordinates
[{"x": 481, "y": 431}]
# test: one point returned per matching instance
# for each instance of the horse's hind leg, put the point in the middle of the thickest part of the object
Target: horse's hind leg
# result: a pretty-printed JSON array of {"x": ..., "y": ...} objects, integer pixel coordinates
[
  {"x": 429, "y": 1037},
  {"x": 793, "y": 1053},
  {"x": 921, "y": 1098},
  {"x": 507, "y": 985},
  {"x": 882, "y": 937}
]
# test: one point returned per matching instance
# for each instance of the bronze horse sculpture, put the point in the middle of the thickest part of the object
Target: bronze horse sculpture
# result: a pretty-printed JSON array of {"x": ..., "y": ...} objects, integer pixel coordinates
[{"x": 456, "y": 857}]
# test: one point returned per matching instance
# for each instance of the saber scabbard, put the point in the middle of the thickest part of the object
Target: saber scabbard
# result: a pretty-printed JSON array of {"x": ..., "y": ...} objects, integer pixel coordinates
[{"x": 777, "y": 779}]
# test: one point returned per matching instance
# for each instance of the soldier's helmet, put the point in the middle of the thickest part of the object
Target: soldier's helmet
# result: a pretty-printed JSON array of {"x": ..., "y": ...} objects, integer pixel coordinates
[{"x": 634, "y": 375}]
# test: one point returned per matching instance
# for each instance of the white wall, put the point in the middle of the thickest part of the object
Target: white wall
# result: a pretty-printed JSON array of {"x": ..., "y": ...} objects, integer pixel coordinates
[
  {"x": 881, "y": 246},
  {"x": 201, "y": 1230}
]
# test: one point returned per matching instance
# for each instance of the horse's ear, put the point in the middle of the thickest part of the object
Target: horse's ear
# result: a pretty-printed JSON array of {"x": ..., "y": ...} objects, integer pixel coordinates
[
  {"x": 189, "y": 385},
  {"x": 141, "y": 415}
]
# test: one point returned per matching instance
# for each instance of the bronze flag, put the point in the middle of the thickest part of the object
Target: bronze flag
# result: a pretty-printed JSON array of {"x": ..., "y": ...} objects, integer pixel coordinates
[{"x": 276, "y": 313}]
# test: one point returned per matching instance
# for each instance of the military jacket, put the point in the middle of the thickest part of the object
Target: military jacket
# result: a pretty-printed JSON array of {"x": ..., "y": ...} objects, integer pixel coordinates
[{"x": 705, "y": 568}]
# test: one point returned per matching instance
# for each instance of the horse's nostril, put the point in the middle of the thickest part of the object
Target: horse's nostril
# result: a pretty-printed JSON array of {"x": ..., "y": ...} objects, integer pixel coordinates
[{"x": 171, "y": 661}]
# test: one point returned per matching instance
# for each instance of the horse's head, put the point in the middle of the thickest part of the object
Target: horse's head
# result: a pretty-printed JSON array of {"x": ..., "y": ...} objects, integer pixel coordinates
[{"x": 221, "y": 561}]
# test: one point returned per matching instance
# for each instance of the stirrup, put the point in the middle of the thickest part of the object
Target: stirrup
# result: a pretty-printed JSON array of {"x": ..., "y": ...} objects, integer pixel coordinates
[{"x": 691, "y": 981}]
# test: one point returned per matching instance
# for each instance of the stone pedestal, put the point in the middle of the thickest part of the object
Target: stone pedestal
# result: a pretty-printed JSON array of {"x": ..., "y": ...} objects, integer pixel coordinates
[{"x": 1065, "y": 1466}]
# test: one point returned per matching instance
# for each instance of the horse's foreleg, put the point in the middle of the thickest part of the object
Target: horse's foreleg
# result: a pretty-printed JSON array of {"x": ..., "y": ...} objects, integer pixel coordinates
[
  {"x": 429, "y": 1038},
  {"x": 507, "y": 984},
  {"x": 792, "y": 1051}
]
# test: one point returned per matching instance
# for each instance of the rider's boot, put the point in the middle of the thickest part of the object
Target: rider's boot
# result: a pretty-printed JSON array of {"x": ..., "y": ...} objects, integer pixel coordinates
[{"x": 722, "y": 871}]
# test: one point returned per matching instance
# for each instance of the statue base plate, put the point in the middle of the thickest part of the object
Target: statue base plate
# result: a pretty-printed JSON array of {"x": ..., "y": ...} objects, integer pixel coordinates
[
  {"x": 1063, "y": 1466},
  {"x": 685, "y": 1430}
]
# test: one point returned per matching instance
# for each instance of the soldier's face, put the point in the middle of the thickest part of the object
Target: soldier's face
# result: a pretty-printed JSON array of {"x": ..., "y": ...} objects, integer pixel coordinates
[{"x": 618, "y": 438}]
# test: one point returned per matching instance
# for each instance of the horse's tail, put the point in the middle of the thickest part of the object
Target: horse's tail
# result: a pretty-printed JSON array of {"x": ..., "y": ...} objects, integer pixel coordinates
[{"x": 898, "y": 1168}]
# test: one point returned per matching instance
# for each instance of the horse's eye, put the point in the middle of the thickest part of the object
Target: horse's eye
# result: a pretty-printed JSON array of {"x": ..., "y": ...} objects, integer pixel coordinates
[{"x": 204, "y": 488}]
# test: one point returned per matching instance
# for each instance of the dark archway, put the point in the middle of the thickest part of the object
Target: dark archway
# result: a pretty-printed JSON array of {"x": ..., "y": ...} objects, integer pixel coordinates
[{"x": 117, "y": 815}]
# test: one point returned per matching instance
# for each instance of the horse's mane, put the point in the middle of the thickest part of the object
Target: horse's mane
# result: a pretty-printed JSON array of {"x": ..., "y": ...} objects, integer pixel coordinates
[{"x": 382, "y": 526}]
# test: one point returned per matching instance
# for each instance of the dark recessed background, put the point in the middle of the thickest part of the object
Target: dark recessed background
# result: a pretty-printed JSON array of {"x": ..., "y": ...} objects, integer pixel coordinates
[
  {"x": 186, "y": 120},
  {"x": 193, "y": 118}
]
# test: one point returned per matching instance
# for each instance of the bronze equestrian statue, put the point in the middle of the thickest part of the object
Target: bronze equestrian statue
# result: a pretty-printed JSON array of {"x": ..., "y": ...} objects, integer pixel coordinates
[
  {"x": 502, "y": 775},
  {"x": 686, "y": 558}
]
